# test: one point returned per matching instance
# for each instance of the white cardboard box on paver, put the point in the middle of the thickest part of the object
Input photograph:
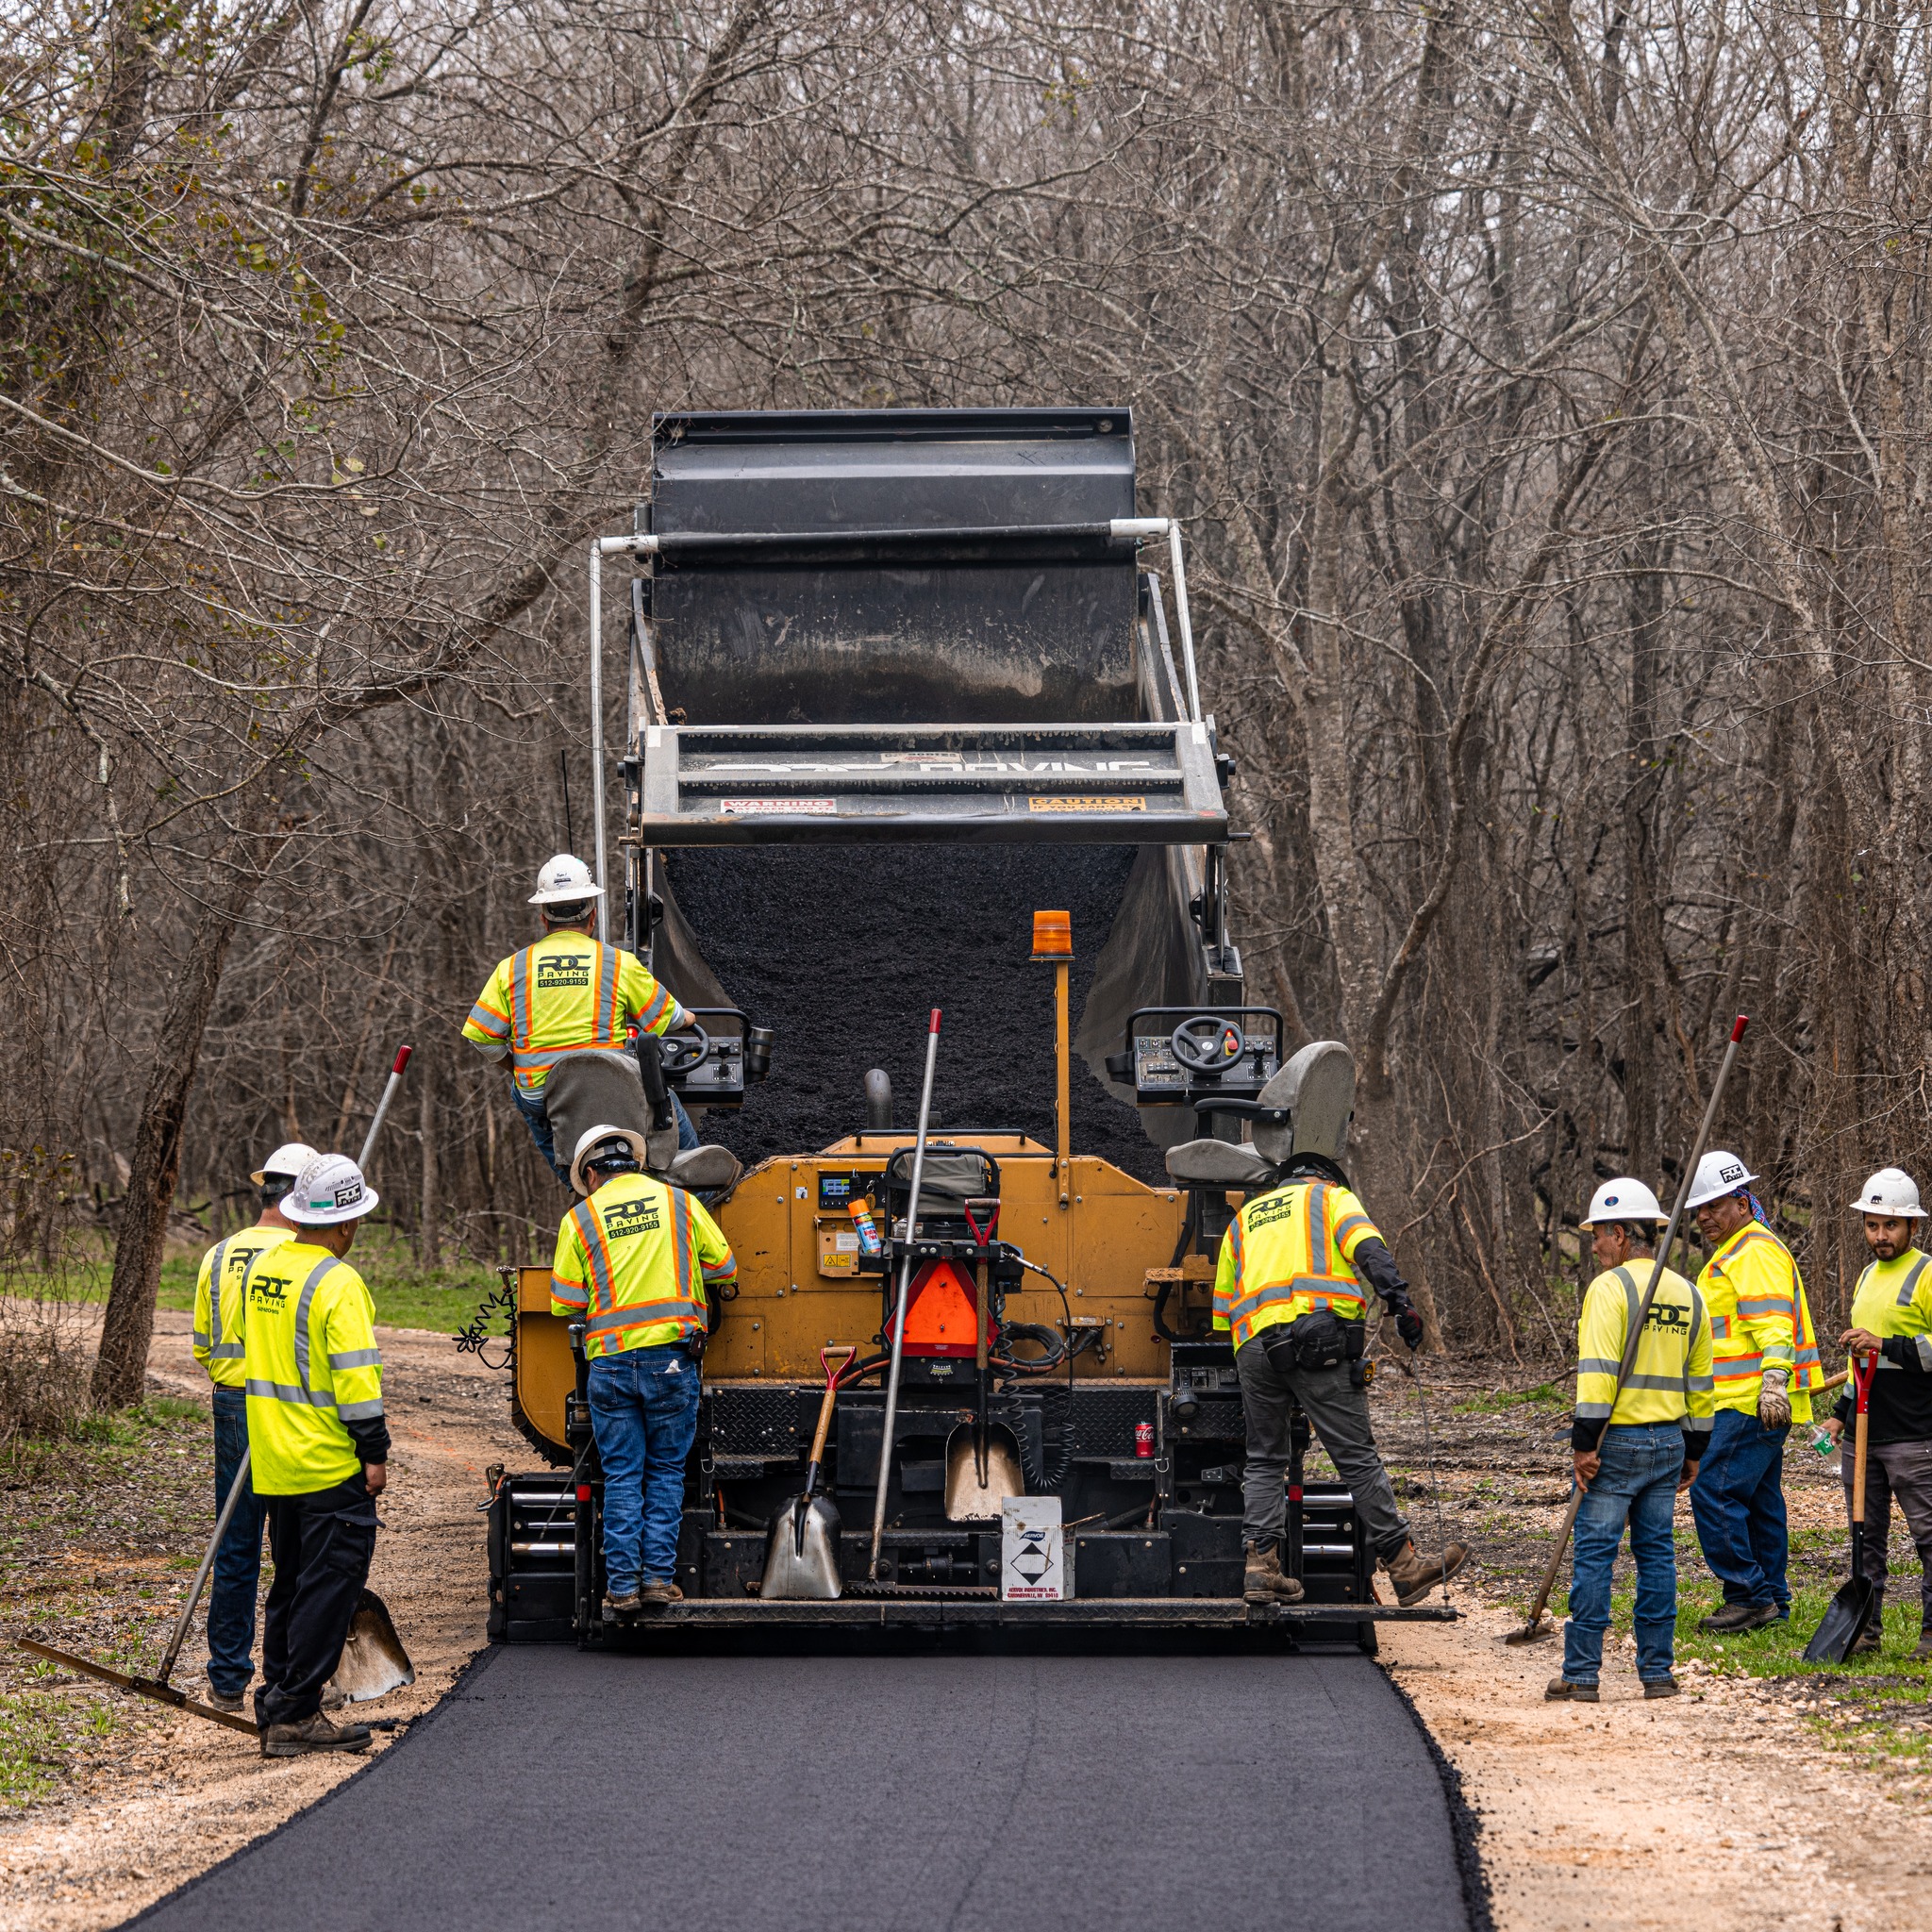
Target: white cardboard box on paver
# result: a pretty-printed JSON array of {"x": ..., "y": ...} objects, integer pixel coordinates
[{"x": 1032, "y": 1550}]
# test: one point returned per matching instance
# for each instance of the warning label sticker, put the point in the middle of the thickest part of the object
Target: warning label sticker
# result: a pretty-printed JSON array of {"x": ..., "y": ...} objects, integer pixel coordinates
[
  {"x": 1064, "y": 803},
  {"x": 778, "y": 808}
]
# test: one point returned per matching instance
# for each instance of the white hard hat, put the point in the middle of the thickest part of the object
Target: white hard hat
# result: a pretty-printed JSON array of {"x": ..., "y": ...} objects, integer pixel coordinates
[
  {"x": 1622, "y": 1200},
  {"x": 593, "y": 1139},
  {"x": 1719, "y": 1174},
  {"x": 565, "y": 881},
  {"x": 285, "y": 1163},
  {"x": 330, "y": 1191},
  {"x": 1891, "y": 1191}
]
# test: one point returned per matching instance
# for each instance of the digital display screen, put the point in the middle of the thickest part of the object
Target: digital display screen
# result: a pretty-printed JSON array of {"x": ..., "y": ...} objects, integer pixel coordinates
[{"x": 835, "y": 1190}]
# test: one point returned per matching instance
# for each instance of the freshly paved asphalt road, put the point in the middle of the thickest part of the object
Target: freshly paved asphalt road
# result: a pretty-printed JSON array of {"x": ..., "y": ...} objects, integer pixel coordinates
[{"x": 560, "y": 1789}]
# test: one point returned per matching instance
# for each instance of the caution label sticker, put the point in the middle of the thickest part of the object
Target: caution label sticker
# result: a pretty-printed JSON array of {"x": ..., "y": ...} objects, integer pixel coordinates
[
  {"x": 1061, "y": 802},
  {"x": 778, "y": 808}
]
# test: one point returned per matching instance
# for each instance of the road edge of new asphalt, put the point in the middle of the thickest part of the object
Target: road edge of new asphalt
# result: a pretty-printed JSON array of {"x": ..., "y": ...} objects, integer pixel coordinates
[
  {"x": 1465, "y": 1820},
  {"x": 474, "y": 1668}
]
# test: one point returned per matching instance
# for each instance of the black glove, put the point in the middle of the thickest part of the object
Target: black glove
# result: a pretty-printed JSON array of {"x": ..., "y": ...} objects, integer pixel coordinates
[{"x": 1408, "y": 1325}]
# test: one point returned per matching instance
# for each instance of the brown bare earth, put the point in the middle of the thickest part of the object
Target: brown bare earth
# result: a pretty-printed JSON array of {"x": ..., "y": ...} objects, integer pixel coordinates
[
  {"x": 1754, "y": 1801},
  {"x": 151, "y": 1798}
]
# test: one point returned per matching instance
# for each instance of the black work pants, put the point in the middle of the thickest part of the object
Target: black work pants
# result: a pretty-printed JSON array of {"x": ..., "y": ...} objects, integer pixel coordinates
[{"x": 321, "y": 1544}]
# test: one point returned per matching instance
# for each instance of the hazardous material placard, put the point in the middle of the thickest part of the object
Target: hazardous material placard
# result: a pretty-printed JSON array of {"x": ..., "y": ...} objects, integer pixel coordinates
[{"x": 1032, "y": 1550}]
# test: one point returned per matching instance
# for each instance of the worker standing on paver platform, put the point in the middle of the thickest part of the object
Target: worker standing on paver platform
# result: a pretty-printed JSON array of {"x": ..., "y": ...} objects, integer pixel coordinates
[
  {"x": 566, "y": 994},
  {"x": 320, "y": 1450},
  {"x": 1656, "y": 1435},
  {"x": 1891, "y": 1318},
  {"x": 1287, "y": 1290},
  {"x": 636, "y": 1261},
  {"x": 1766, "y": 1363},
  {"x": 220, "y": 1301}
]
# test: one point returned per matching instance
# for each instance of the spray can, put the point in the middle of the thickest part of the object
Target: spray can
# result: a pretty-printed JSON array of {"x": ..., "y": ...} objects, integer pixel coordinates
[{"x": 869, "y": 1243}]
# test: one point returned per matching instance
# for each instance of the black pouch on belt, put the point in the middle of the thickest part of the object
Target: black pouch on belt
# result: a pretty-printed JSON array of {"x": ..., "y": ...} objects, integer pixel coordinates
[{"x": 1322, "y": 1339}]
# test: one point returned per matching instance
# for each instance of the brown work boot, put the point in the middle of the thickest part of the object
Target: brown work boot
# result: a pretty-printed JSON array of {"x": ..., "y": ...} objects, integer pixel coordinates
[
  {"x": 655, "y": 1593},
  {"x": 1414, "y": 1576},
  {"x": 1264, "y": 1581},
  {"x": 312, "y": 1734},
  {"x": 1561, "y": 1691},
  {"x": 1871, "y": 1640},
  {"x": 1924, "y": 1654}
]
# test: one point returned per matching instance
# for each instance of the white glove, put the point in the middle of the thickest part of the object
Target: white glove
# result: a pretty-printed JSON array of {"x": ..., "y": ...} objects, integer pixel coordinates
[{"x": 1773, "y": 1407}]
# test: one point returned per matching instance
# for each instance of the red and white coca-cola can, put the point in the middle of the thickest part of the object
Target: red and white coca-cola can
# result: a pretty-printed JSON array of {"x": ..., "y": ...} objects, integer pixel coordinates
[{"x": 1143, "y": 1440}]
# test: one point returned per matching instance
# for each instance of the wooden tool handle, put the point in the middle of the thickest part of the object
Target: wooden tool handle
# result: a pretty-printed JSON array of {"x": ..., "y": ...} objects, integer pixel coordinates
[
  {"x": 1859, "y": 1440},
  {"x": 832, "y": 1368}
]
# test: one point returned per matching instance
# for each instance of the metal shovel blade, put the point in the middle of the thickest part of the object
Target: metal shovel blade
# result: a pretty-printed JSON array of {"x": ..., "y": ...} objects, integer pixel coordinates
[
  {"x": 974, "y": 1494},
  {"x": 1845, "y": 1622},
  {"x": 1538, "y": 1632},
  {"x": 802, "y": 1569},
  {"x": 373, "y": 1662}
]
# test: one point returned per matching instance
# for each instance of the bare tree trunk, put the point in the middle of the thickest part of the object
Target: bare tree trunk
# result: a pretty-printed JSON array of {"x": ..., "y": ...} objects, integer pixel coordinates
[
  {"x": 121, "y": 1369},
  {"x": 428, "y": 1247}
]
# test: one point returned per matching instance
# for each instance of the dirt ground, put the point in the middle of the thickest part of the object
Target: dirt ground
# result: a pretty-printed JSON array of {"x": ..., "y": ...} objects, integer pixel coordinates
[
  {"x": 1755, "y": 1801},
  {"x": 161, "y": 1797},
  {"x": 1765, "y": 1796}
]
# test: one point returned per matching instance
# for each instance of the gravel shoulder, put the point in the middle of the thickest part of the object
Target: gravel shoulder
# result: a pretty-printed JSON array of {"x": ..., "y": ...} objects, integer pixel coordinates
[{"x": 120, "y": 1800}]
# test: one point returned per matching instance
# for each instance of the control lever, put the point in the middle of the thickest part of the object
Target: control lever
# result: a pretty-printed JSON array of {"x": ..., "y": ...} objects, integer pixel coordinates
[{"x": 650, "y": 1050}]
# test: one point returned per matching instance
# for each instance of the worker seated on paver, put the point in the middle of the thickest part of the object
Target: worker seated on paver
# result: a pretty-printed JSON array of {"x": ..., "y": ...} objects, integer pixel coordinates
[
  {"x": 1288, "y": 1289},
  {"x": 636, "y": 1261},
  {"x": 1891, "y": 1318},
  {"x": 1766, "y": 1358},
  {"x": 567, "y": 993},
  {"x": 220, "y": 1302},
  {"x": 1632, "y": 1460},
  {"x": 319, "y": 1448}
]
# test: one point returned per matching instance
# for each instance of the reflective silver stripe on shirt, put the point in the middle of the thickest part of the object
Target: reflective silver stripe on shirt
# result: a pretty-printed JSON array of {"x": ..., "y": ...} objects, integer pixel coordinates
[
  {"x": 1911, "y": 1287},
  {"x": 227, "y": 1352},
  {"x": 200, "y": 1339},
  {"x": 356, "y": 1411},
  {"x": 1597, "y": 1365},
  {"x": 1590, "y": 1410},
  {"x": 357, "y": 1358},
  {"x": 1673, "y": 1383},
  {"x": 283, "y": 1391},
  {"x": 214, "y": 1291},
  {"x": 302, "y": 1306}
]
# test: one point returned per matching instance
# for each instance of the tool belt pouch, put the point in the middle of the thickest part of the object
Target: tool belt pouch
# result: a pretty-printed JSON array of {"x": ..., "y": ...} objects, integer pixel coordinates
[{"x": 1323, "y": 1341}]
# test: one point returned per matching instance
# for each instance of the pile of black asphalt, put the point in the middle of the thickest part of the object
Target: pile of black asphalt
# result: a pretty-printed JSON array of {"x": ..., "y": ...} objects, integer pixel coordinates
[
  {"x": 845, "y": 950},
  {"x": 931, "y": 1793}
]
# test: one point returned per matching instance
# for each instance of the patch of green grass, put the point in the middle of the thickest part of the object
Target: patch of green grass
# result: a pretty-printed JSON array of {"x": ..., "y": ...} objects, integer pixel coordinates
[
  {"x": 31, "y": 1757},
  {"x": 1494, "y": 1402}
]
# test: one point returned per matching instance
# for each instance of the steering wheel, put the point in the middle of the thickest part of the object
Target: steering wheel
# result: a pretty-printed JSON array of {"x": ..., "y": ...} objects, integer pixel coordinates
[
  {"x": 1208, "y": 1043},
  {"x": 686, "y": 1048}
]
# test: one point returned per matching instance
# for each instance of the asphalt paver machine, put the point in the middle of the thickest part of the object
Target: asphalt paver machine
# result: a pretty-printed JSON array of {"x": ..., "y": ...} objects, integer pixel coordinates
[{"x": 904, "y": 633}]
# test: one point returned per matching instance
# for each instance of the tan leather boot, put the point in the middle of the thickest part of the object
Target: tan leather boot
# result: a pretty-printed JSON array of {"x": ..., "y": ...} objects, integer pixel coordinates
[
  {"x": 1414, "y": 1576},
  {"x": 1265, "y": 1583}
]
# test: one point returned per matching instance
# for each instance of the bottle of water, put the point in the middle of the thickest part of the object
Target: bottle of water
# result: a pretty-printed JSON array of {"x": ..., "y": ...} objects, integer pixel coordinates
[{"x": 1822, "y": 1441}]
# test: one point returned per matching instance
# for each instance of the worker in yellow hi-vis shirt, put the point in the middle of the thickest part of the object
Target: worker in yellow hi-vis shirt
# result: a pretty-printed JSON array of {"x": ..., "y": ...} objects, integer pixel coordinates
[
  {"x": 220, "y": 1289},
  {"x": 1651, "y": 1442},
  {"x": 636, "y": 1261},
  {"x": 319, "y": 1449},
  {"x": 567, "y": 992},
  {"x": 1287, "y": 1292},
  {"x": 1765, "y": 1357}
]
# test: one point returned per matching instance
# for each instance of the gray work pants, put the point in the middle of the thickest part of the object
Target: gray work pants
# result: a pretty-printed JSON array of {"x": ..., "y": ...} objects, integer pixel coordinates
[
  {"x": 1341, "y": 1417},
  {"x": 1903, "y": 1470}
]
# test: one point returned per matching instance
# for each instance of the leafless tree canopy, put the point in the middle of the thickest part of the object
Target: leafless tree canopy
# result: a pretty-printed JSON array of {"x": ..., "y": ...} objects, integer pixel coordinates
[{"x": 1546, "y": 390}]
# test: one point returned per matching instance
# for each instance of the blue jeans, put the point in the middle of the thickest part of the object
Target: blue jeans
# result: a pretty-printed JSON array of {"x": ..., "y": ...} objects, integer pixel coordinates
[
  {"x": 644, "y": 1415},
  {"x": 1739, "y": 1502},
  {"x": 238, "y": 1562},
  {"x": 532, "y": 1108},
  {"x": 1641, "y": 1462}
]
